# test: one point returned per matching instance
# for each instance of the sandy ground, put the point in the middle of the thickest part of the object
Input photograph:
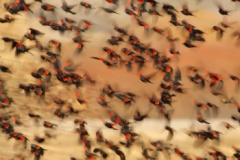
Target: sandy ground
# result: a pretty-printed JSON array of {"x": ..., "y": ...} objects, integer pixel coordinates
[{"x": 217, "y": 56}]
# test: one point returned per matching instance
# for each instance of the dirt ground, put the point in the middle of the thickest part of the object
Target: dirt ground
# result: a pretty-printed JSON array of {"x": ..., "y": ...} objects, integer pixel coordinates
[{"x": 217, "y": 56}]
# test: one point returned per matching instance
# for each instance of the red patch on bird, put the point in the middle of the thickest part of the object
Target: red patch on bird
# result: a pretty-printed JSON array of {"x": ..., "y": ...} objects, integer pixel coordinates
[
  {"x": 6, "y": 101},
  {"x": 22, "y": 138},
  {"x": 49, "y": 7},
  {"x": 127, "y": 136},
  {"x": 19, "y": 44}
]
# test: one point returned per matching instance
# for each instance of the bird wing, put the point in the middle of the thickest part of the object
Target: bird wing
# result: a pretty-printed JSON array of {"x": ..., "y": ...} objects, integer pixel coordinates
[
  {"x": 64, "y": 3},
  {"x": 178, "y": 76},
  {"x": 149, "y": 76},
  {"x": 34, "y": 31}
]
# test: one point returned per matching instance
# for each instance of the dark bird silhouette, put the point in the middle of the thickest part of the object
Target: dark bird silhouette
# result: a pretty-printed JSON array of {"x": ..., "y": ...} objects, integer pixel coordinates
[
  {"x": 222, "y": 11},
  {"x": 86, "y": 5},
  {"x": 168, "y": 7},
  {"x": 201, "y": 119},
  {"x": 5, "y": 69},
  {"x": 154, "y": 12},
  {"x": 185, "y": 11},
  {"x": 173, "y": 19},
  {"x": 39, "y": 139},
  {"x": 139, "y": 117},
  {"x": 188, "y": 44},
  {"x": 36, "y": 75},
  {"x": 108, "y": 10},
  {"x": 110, "y": 125},
  {"x": 33, "y": 33},
  {"x": 48, "y": 7},
  {"x": 112, "y": 1},
  {"x": 103, "y": 154},
  {"x": 67, "y": 8},
  {"x": 219, "y": 31},
  {"x": 171, "y": 132},
  {"x": 215, "y": 109},
  {"x": 106, "y": 62},
  {"x": 7, "y": 19},
  {"x": 49, "y": 124},
  {"x": 37, "y": 150},
  {"x": 146, "y": 78},
  {"x": 18, "y": 45}
]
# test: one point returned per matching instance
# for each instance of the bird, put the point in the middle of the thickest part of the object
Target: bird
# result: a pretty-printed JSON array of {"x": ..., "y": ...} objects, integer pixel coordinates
[
  {"x": 108, "y": 10},
  {"x": 146, "y": 79},
  {"x": 67, "y": 8},
  {"x": 5, "y": 69}
]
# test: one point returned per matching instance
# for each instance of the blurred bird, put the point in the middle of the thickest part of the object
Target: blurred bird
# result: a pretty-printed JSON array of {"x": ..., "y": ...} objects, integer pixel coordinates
[
  {"x": 48, "y": 7},
  {"x": 219, "y": 31},
  {"x": 5, "y": 69},
  {"x": 108, "y": 10},
  {"x": 86, "y": 5},
  {"x": 67, "y": 8}
]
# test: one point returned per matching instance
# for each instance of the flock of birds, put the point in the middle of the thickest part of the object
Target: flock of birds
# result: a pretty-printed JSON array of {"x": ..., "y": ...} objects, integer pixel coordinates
[{"x": 136, "y": 54}]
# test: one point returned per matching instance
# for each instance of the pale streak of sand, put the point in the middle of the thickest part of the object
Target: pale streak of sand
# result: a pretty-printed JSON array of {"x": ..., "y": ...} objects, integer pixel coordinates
[{"x": 66, "y": 143}]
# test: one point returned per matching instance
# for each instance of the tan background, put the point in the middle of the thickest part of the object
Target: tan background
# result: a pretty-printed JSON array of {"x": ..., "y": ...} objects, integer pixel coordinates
[{"x": 217, "y": 56}]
